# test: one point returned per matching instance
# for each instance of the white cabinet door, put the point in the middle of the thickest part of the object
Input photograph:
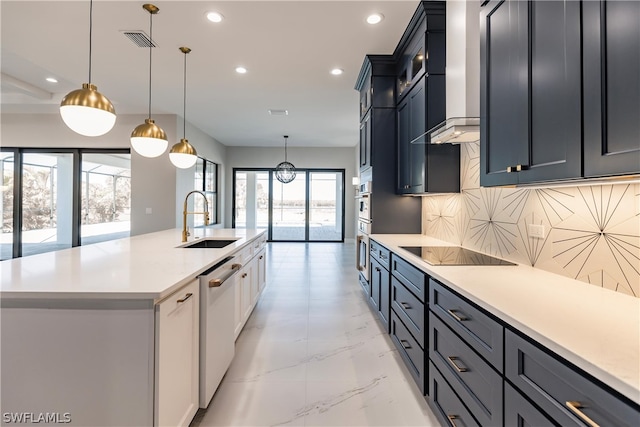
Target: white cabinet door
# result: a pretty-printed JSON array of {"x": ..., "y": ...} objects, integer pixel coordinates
[{"x": 177, "y": 352}]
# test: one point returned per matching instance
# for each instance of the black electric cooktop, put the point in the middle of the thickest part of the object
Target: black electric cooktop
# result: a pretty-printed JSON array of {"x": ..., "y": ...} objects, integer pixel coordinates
[{"x": 453, "y": 255}]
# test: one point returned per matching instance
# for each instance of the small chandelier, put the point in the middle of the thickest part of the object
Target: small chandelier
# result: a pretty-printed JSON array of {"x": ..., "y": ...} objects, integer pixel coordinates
[
  {"x": 148, "y": 139},
  {"x": 182, "y": 154},
  {"x": 285, "y": 171},
  {"x": 86, "y": 111}
]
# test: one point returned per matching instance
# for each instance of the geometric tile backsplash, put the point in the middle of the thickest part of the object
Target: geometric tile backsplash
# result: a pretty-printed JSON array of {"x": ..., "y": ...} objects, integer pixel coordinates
[{"x": 592, "y": 232}]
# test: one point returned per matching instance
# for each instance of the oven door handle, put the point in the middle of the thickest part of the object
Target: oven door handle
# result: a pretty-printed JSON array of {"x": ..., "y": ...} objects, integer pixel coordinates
[{"x": 216, "y": 283}]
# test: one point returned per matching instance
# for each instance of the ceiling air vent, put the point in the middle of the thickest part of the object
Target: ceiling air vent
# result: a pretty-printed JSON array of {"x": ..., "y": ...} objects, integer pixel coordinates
[{"x": 139, "y": 38}]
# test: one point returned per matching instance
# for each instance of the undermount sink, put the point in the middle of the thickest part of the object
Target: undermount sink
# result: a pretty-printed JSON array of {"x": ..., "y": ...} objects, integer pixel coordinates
[{"x": 210, "y": 243}]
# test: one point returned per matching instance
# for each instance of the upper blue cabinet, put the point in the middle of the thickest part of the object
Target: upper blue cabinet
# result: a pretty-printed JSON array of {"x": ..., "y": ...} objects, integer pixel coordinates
[{"x": 559, "y": 91}]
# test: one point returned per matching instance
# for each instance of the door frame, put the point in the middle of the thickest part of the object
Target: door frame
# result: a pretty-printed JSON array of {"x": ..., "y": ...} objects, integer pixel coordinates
[{"x": 308, "y": 172}]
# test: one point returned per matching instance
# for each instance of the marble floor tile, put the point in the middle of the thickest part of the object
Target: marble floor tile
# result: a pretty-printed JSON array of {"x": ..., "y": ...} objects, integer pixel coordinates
[{"x": 313, "y": 353}]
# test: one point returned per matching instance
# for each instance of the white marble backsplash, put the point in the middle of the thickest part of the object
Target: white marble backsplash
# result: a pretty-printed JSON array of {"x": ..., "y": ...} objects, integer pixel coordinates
[{"x": 592, "y": 232}]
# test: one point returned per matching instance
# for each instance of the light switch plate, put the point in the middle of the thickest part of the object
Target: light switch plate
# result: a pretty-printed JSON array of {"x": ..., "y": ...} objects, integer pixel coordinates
[
  {"x": 537, "y": 230},
  {"x": 149, "y": 211}
]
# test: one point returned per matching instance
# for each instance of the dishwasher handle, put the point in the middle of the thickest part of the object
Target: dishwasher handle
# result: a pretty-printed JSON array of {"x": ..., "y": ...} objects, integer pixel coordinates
[{"x": 215, "y": 283}]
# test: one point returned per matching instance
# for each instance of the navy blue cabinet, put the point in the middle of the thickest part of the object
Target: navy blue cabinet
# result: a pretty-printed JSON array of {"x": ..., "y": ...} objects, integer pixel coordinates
[
  {"x": 421, "y": 104},
  {"x": 559, "y": 90},
  {"x": 530, "y": 94},
  {"x": 611, "y": 42}
]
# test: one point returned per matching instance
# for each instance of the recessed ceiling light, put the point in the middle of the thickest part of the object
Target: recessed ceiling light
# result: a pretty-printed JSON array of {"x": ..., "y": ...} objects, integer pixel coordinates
[
  {"x": 51, "y": 80},
  {"x": 337, "y": 71},
  {"x": 215, "y": 17},
  {"x": 241, "y": 70},
  {"x": 375, "y": 18},
  {"x": 275, "y": 112}
]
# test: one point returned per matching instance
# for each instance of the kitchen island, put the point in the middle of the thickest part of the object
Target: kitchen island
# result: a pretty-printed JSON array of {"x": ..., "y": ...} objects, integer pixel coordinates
[
  {"x": 529, "y": 322},
  {"x": 84, "y": 331}
]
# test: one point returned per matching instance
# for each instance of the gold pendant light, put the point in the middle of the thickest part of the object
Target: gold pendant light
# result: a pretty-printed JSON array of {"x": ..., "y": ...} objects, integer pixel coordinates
[
  {"x": 182, "y": 154},
  {"x": 86, "y": 111},
  {"x": 148, "y": 139}
]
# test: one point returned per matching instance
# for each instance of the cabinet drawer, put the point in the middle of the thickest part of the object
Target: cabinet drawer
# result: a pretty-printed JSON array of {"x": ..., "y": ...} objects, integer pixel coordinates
[
  {"x": 519, "y": 412},
  {"x": 445, "y": 404},
  {"x": 413, "y": 356},
  {"x": 568, "y": 396},
  {"x": 380, "y": 253},
  {"x": 473, "y": 379},
  {"x": 409, "y": 309},
  {"x": 365, "y": 284},
  {"x": 480, "y": 331},
  {"x": 411, "y": 277}
]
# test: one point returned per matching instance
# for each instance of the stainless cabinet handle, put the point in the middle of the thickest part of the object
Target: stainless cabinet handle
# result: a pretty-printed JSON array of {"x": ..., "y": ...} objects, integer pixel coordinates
[
  {"x": 575, "y": 408},
  {"x": 186, "y": 297},
  {"x": 405, "y": 344},
  {"x": 383, "y": 256},
  {"x": 459, "y": 318},
  {"x": 405, "y": 305},
  {"x": 452, "y": 360},
  {"x": 215, "y": 283},
  {"x": 452, "y": 419}
]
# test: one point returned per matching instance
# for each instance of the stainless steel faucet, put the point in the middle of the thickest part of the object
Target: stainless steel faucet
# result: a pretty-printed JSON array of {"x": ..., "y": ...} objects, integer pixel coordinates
[{"x": 185, "y": 233}]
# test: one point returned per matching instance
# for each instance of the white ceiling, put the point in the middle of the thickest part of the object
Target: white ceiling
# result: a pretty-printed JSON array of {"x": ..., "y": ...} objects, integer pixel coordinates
[{"x": 289, "y": 47}]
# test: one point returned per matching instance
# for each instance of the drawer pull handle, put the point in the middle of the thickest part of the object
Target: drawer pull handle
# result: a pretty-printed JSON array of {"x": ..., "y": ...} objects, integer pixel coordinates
[
  {"x": 405, "y": 344},
  {"x": 383, "y": 256},
  {"x": 216, "y": 283},
  {"x": 575, "y": 408},
  {"x": 186, "y": 297},
  {"x": 452, "y": 420},
  {"x": 452, "y": 360},
  {"x": 457, "y": 317},
  {"x": 405, "y": 306}
]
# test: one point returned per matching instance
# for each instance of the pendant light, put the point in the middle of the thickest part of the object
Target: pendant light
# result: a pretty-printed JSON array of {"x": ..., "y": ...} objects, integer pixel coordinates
[
  {"x": 86, "y": 111},
  {"x": 285, "y": 171},
  {"x": 182, "y": 154},
  {"x": 148, "y": 139}
]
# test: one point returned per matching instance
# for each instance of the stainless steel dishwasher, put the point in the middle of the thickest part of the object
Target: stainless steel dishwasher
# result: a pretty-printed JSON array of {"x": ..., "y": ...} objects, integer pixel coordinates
[{"x": 217, "y": 343}]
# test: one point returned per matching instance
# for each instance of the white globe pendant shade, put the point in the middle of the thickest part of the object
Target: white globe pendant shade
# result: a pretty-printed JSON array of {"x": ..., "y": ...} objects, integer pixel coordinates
[
  {"x": 149, "y": 140},
  {"x": 183, "y": 155},
  {"x": 87, "y": 112}
]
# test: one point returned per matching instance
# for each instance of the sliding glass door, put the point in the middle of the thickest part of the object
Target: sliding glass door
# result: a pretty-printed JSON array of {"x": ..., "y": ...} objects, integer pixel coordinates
[
  {"x": 289, "y": 209},
  {"x": 310, "y": 208}
]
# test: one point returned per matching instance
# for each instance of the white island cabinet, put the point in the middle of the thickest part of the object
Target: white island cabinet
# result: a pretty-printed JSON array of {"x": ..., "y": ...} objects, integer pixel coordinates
[
  {"x": 106, "y": 334},
  {"x": 177, "y": 342}
]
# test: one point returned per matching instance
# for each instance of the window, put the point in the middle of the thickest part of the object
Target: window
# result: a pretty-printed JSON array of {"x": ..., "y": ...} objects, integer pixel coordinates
[
  {"x": 106, "y": 197},
  {"x": 206, "y": 180},
  {"x": 55, "y": 198}
]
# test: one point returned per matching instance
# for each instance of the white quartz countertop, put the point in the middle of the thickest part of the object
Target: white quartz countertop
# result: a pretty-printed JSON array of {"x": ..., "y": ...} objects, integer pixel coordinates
[
  {"x": 596, "y": 329},
  {"x": 148, "y": 266}
]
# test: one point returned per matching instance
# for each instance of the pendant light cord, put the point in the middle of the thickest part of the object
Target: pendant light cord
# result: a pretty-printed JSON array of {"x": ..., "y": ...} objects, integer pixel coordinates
[
  {"x": 90, "y": 34},
  {"x": 285, "y": 148},
  {"x": 184, "y": 99},
  {"x": 150, "y": 50}
]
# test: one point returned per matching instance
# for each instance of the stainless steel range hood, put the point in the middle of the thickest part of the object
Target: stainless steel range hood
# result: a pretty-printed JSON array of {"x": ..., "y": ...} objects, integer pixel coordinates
[{"x": 455, "y": 130}]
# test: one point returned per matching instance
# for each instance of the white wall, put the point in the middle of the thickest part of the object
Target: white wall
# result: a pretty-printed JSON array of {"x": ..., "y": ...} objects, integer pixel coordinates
[{"x": 314, "y": 157}]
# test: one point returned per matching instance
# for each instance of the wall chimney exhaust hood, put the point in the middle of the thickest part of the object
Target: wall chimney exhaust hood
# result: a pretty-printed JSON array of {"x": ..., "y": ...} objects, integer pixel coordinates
[{"x": 455, "y": 130}]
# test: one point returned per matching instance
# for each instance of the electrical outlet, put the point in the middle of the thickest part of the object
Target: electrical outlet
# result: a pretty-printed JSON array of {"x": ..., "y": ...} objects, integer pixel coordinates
[{"x": 537, "y": 230}]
